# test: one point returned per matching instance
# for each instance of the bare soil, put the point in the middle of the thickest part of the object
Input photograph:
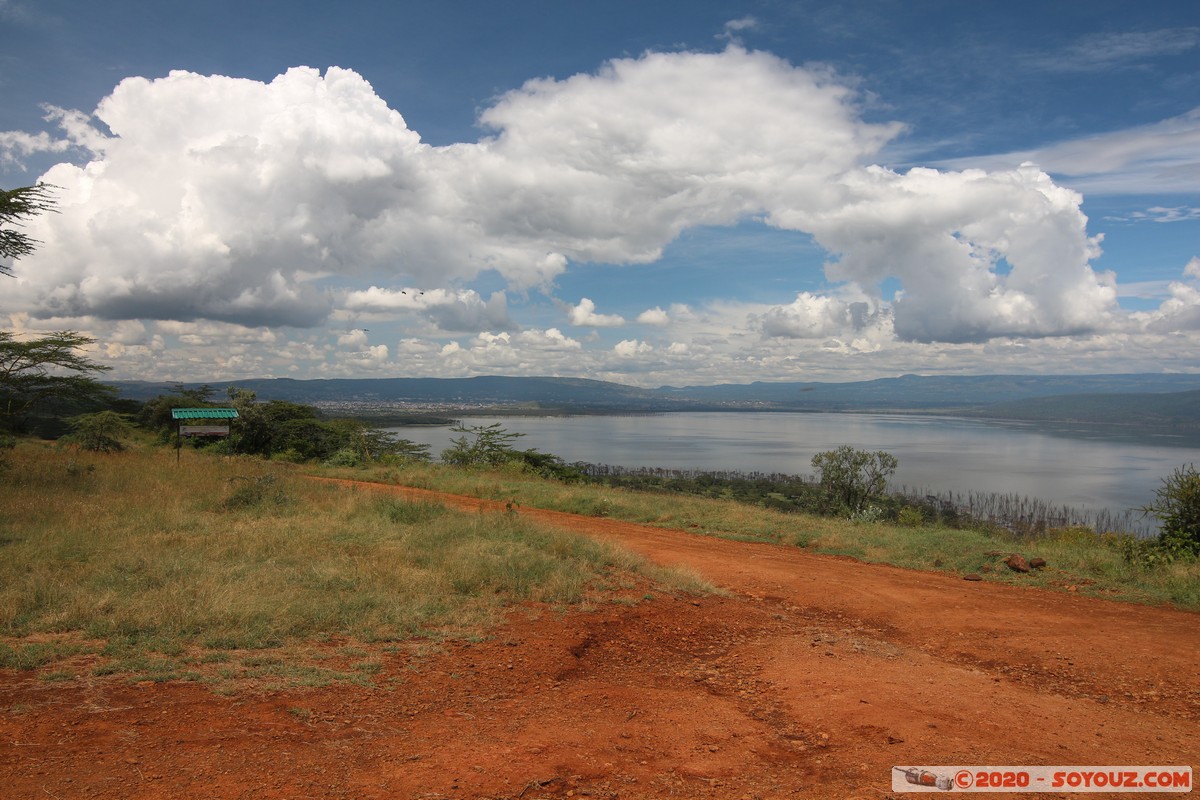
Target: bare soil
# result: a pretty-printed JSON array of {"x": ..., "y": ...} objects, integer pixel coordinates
[{"x": 812, "y": 678}]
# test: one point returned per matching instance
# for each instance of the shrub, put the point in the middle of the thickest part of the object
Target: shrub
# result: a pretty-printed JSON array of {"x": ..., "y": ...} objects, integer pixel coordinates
[
  {"x": 1177, "y": 507},
  {"x": 910, "y": 517},
  {"x": 1144, "y": 554},
  {"x": 99, "y": 433},
  {"x": 346, "y": 457},
  {"x": 852, "y": 476},
  {"x": 868, "y": 514}
]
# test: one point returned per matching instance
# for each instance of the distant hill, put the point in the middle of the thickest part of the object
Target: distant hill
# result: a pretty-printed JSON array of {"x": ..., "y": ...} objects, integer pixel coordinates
[
  {"x": 549, "y": 393},
  {"x": 939, "y": 392},
  {"x": 1152, "y": 398},
  {"x": 1173, "y": 409}
]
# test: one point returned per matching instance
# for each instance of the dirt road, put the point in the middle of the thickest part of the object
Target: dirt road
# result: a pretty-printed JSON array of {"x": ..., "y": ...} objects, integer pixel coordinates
[{"x": 812, "y": 678}]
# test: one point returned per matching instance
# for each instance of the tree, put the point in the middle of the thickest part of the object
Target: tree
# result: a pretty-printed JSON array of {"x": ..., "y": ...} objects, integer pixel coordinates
[
  {"x": 373, "y": 444},
  {"x": 278, "y": 428},
  {"x": 155, "y": 414},
  {"x": 17, "y": 205},
  {"x": 258, "y": 427},
  {"x": 489, "y": 447},
  {"x": 101, "y": 432},
  {"x": 852, "y": 477},
  {"x": 1177, "y": 507},
  {"x": 47, "y": 375}
]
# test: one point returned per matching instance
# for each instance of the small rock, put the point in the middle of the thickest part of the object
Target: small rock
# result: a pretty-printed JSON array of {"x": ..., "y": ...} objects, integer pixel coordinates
[
  {"x": 1037, "y": 563},
  {"x": 1017, "y": 563},
  {"x": 971, "y": 576}
]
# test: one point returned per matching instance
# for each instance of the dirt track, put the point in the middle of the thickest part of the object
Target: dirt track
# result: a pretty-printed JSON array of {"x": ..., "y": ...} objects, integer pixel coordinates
[{"x": 812, "y": 679}]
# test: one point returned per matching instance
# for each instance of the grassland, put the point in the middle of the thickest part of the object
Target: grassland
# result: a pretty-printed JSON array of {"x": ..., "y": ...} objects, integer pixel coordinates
[
  {"x": 223, "y": 570},
  {"x": 1077, "y": 559},
  {"x": 236, "y": 570}
]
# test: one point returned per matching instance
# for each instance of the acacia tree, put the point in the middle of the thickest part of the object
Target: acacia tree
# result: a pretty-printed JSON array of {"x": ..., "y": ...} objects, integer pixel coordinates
[
  {"x": 17, "y": 205},
  {"x": 488, "y": 447},
  {"x": 45, "y": 375},
  {"x": 102, "y": 432}
]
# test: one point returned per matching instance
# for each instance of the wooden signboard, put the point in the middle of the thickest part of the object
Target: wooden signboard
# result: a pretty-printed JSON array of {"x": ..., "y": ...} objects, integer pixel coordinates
[{"x": 203, "y": 430}]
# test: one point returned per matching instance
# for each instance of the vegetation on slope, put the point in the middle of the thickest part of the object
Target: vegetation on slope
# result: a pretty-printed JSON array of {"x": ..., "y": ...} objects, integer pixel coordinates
[
  {"x": 163, "y": 571},
  {"x": 227, "y": 565},
  {"x": 1078, "y": 559}
]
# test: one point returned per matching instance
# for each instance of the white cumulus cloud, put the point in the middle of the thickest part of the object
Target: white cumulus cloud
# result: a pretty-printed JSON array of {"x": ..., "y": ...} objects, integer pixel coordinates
[
  {"x": 584, "y": 315},
  {"x": 225, "y": 201},
  {"x": 654, "y": 316},
  {"x": 979, "y": 255},
  {"x": 630, "y": 348}
]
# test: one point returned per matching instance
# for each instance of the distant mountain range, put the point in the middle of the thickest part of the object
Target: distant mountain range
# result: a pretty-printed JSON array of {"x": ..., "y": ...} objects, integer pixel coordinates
[{"x": 1153, "y": 399}]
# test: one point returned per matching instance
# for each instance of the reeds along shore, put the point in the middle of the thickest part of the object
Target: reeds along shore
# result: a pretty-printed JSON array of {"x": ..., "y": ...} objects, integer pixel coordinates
[{"x": 1017, "y": 514}]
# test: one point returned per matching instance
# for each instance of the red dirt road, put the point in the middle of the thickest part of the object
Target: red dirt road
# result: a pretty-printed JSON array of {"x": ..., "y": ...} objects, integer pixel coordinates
[{"x": 812, "y": 678}]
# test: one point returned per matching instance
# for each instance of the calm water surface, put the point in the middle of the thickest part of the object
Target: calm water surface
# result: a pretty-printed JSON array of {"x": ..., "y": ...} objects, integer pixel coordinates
[{"x": 1087, "y": 468}]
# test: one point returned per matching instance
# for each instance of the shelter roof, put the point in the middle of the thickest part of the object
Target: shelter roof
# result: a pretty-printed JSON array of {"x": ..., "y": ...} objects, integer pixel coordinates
[{"x": 203, "y": 413}]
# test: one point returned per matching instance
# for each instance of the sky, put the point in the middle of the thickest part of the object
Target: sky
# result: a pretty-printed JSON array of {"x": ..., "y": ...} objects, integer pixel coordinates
[{"x": 655, "y": 193}]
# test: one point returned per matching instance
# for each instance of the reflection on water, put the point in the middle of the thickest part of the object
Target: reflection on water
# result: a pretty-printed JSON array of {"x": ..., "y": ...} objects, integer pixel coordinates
[{"x": 1087, "y": 467}]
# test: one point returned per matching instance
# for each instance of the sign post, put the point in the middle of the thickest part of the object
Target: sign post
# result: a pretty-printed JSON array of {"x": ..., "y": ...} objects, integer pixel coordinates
[{"x": 194, "y": 415}]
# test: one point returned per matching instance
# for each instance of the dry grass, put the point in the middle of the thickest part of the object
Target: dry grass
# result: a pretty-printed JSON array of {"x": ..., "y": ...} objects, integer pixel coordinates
[
  {"x": 1078, "y": 562},
  {"x": 148, "y": 565}
]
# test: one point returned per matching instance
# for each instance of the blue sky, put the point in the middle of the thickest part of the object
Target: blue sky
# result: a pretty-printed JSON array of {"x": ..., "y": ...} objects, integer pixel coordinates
[{"x": 654, "y": 193}]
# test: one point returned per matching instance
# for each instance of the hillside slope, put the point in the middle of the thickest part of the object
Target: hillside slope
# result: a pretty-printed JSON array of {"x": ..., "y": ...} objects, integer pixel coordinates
[
  {"x": 813, "y": 676},
  {"x": 905, "y": 393}
]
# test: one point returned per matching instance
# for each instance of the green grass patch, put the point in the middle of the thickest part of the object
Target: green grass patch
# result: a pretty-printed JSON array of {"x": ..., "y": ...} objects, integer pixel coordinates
[{"x": 31, "y": 655}]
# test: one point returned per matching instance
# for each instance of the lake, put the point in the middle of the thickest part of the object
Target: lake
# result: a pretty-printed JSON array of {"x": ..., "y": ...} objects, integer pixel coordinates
[{"x": 1082, "y": 467}]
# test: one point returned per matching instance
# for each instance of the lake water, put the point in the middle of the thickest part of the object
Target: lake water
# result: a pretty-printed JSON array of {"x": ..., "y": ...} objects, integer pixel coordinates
[{"x": 1086, "y": 468}]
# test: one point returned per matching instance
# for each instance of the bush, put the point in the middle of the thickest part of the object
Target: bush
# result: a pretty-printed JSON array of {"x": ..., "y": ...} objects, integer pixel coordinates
[
  {"x": 1144, "y": 554},
  {"x": 910, "y": 517},
  {"x": 346, "y": 457},
  {"x": 1177, "y": 507},
  {"x": 852, "y": 477},
  {"x": 489, "y": 447},
  {"x": 868, "y": 514},
  {"x": 99, "y": 433}
]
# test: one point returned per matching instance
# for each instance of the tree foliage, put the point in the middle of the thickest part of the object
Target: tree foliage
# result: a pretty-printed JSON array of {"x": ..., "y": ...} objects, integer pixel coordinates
[
  {"x": 17, "y": 205},
  {"x": 102, "y": 432},
  {"x": 155, "y": 414},
  {"x": 481, "y": 446},
  {"x": 1177, "y": 507},
  {"x": 47, "y": 375},
  {"x": 852, "y": 477},
  {"x": 282, "y": 429}
]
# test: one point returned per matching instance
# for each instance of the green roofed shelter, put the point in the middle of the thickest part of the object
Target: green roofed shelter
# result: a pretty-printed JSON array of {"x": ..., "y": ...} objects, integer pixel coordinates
[
  {"x": 197, "y": 422},
  {"x": 203, "y": 413}
]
